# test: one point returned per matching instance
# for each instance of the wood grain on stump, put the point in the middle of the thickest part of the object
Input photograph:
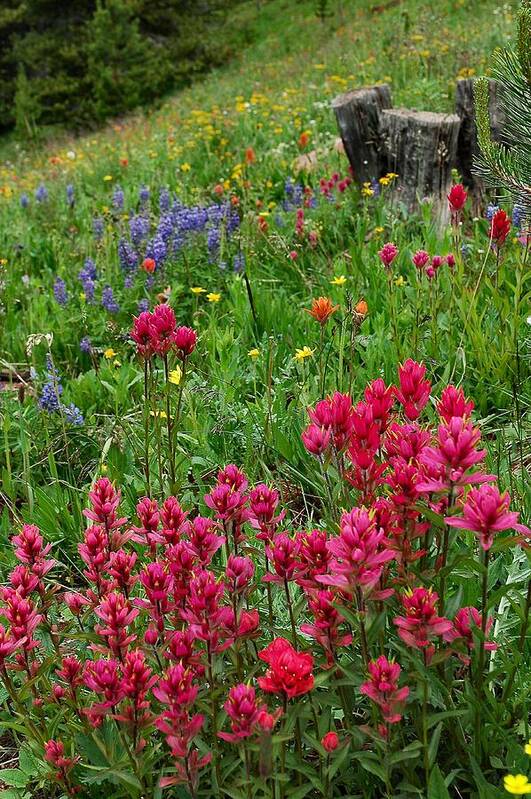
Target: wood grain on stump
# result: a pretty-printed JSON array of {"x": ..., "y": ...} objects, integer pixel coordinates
[
  {"x": 421, "y": 148},
  {"x": 358, "y": 115}
]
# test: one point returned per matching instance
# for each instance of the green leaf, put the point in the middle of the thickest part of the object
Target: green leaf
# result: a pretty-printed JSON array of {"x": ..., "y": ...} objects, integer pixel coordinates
[
  {"x": 370, "y": 763},
  {"x": 14, "y": 777},
  {"x": 437, "y": 787},
  {"x": 434, "y": 743}
]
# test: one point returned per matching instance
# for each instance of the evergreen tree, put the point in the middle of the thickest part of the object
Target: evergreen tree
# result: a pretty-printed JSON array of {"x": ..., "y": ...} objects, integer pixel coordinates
[
  {"x": 506, "y": 165},
  {"x": 124, "y": 69}
]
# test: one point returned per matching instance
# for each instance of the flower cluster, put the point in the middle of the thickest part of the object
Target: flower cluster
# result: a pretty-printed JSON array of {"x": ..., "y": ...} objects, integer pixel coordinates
[{"x": 157, "y": 333}]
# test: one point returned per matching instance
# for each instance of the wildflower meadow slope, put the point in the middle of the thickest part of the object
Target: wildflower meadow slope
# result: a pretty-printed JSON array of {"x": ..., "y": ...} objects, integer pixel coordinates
[{"x": 265, "y": 504}]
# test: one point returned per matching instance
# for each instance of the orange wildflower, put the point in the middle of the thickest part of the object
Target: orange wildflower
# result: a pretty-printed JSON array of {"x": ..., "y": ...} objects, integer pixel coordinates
[
  {"x": 148, "y": 265},
  {"x": 322, "y": 309},
  {"x": 361, "y": 308},
  {"x": 250, "y": 157}
]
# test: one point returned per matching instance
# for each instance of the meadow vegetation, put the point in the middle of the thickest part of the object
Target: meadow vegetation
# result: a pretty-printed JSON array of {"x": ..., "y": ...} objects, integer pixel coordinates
[{"x": 266, "y": 439}]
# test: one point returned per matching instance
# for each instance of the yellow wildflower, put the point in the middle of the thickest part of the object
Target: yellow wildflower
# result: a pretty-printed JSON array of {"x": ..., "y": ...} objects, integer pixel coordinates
[
  {"x": 107, "y": 177},
  {"x": 300, "y": 355},
  {"x": 378, "y": 229},
  {"x": 160, "y": 414},
  {"x": 175, "y": 376},
  {"x": 117, "y": 364},
  {"x": 212, "y": 297},
  {"x": 517, "y": 784},
  {"x": 527, "y": 748},
  {"x": 400, "y": 281},
  {"x": 197, "y": 290},
  {"x": 339, "y": 280},
  {"x": 185, "y": 167},
  {"x": 254, "y": 353},
  {"x": 109, "y": 353}
]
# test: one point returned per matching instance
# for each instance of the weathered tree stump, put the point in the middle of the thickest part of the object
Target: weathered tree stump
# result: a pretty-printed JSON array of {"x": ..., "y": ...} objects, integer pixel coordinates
[
  {"x": 467, "y": 144},
  {"x": 421, "y": 148},
  {"x": 358, "y": 115}
]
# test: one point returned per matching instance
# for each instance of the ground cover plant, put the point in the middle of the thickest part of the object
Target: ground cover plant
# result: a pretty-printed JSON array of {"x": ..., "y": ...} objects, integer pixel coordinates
[{"x": 265, "y": 504}]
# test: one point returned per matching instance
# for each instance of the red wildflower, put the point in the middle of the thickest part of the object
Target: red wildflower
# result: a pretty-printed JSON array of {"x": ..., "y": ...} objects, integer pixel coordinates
[
  {"x": 457, "y": 198},
  {"x": 359, "y": 553},
  {"x": 142, "y": 334},
  {"x": 420, "y": 259},
  {"x": 330, "y": 742},
  {"x": 499, "y": 228},
  {"x": 383, "y": 689},
  {"x": 283, "y": 553},
  {"x": 29, "y": 549},
  {"x": 289, "y": 672},
  {"x": 414, "y": 391},
  {"x": 184, "y": 341},
  {"x": 316, "y": 439},
  {"x": 244, "y": 710},
  {"x": 149, "y": 265},
  {"x": 486, "y": 512},
  {"x": 421, "y": 623},
  {"x": 388, "y": 254},
  {"x": 454, "y": 403},
  {"x": 466, "y": 628}
]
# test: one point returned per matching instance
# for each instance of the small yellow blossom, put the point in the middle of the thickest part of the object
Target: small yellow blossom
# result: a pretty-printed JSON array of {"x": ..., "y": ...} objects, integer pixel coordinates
[
  {"x": 212, "y": 297},
  {"x": 160, "y": 414},
  {"x": 517, "y": 784},
  {"x": 338, "y": 280},
  {"x": 400, "y": 281},
  {"x": 527, "y": 748},
  {"x": 300, "y": 355},
  {"x": 379, "y": 229},
  {"x": 185, "y": 167},
  {"x": 254, "y": 353},
  {"x": 103, "y": 468},
  {"x": 175, "y": 376},
  {"x": 197, "y": 290},
  {"x": 117, "y": 364},
  {"x": 107, "y": 177},
  {"x": 109, "y": 353}
]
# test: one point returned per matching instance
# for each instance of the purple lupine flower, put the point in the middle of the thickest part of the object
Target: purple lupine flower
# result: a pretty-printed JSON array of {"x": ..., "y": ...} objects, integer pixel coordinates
[
  {"x": 129, "y": 280},
  {"x": 108, "y": 301},
  {"x": 164, "y": 200},
  {"x": 98, "y": 228},
  {"x": 85, "y": 345},
  {"x": 59, "y": 291},
  {"x": 52, "y": 389},
  {"x": 73, "y": 415},
  {"x": 375, "y": 186},
  {"x": 139, "y": 229},
  {"x": 518, "y": 216},
  {"x": 213, "y": 242},
  {"x": 159, "y": 249},
  {"x": 70, "y": 198},
  {"x": 24, "y": 200},
  {"x": 143, "y": 196},
  {"x": 238, "y": 262},
  {"x": 87, "y": 277},
  {"x": 41, "y": 193},
  {"x": 166, "y": 226},
  {"x": 143, "y": 305},
  {"x": 127, "y": 256},
  {"x": 491, "y": 210},
  {"x": 118, "y": 198}
]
